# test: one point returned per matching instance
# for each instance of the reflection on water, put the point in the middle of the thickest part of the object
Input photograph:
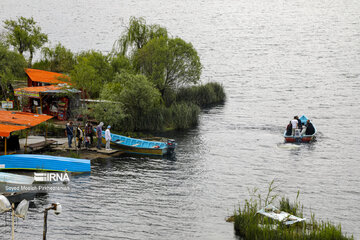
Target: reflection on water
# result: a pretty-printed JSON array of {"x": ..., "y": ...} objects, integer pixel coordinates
[{"x": 276, "y": 59}]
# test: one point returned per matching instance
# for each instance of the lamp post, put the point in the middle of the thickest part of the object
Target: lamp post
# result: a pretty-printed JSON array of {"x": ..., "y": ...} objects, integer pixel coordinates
[{"x": 57, "y": 208}]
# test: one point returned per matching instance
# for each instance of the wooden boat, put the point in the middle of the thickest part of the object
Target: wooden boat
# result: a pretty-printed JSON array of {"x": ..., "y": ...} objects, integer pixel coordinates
[
  {"x": 139, "y": 146},
  {"x": 298, "y": 137},
  {"x": 43, "y": 163}
]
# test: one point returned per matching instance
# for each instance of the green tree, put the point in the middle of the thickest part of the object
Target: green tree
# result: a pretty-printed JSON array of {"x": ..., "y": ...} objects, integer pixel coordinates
[
  {"x": 137, "y": 95},
  {"x": 169, "y": 63},
  {"x": 137, "y": 35},
  {"x": 12, "y": 67},
  {"x": 56, "y": 59},
  {"x": 24, "y": 36},
  {"x": 91, "y": 72}
]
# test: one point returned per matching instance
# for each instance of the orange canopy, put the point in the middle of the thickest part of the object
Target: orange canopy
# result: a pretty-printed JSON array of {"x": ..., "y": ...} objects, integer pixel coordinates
[
  {"x": 46, "y": 77},
  {"x": 34, "y": 91},
  {"x": 5, "y": 130},
  {"x": 22, "y": 118}
]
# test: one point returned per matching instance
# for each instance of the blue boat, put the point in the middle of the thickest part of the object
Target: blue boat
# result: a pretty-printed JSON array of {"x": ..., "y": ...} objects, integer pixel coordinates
[
  {"x": 139, "y": 146},
  {"x": 43, "y": 163},
  {"x": 298, "y": 137}
]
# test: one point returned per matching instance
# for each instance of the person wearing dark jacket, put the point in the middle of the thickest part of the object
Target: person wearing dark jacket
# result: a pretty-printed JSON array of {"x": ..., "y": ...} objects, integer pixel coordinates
[
  {"x": 310, "y": 130},
  {"x": 299, "y": 123},
  {"x": 289, "y": 129}
]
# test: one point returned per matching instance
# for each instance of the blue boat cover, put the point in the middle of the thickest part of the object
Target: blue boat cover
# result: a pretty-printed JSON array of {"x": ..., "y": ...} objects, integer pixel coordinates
[
  {"x": 44, "y": 163},
  {"x": 136, "y": 143}
]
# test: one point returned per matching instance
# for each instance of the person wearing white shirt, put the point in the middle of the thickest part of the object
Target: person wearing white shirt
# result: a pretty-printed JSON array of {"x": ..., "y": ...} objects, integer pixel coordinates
[
  {"x": 108, "y": 138},
  {"x": 294, "y": 124}
]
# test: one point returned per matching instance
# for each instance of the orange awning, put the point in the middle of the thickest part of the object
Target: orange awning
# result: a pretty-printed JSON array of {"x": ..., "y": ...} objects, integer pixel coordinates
[
  {"x": 5, "y": 130},
  {"x": 34, "y": 92},
  {"x": 37, "y": 75},
  {"x": 22, "y": 118}
]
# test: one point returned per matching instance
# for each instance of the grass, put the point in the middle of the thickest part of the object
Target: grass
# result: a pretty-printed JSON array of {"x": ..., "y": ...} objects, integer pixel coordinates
[{"x": 250, "y": 225}]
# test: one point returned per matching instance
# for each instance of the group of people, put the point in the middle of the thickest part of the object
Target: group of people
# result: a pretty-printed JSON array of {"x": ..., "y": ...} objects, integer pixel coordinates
[
  {"x": 85, "y": 135},
  {"x": 295, "y": 125}
]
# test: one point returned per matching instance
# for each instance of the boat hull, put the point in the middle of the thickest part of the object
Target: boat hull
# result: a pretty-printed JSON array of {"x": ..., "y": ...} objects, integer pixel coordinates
[
  {"x": 302, "y": 139},
  {"x": 34, "y": 162}
]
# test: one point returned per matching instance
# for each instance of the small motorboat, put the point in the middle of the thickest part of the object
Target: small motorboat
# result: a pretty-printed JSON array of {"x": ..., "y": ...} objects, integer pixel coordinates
[
  {"x": 140, "y": 146},
  {"x": 32, "y": 162},
  {"x": 298, "y": 137}
]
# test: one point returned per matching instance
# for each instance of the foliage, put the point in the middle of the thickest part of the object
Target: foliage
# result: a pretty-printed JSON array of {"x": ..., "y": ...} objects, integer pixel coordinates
[
  {"x": 12, "y": 66},
  {"x": 202, "y": 95},
  {"x": 250, "y": 225},
  {"x": 24, "y": 35},
  {"x": 91, "y": 72},
  {"x": 109, "y": 113},
  {"x": 184, "y": 115},
  {"x": 120, "y": 63},
  {"x": 169, "y": 63},
  {"x": 136, "y": 94},
  {"x": 137, "y": 35},
  {"x": 56, "y": 59}
]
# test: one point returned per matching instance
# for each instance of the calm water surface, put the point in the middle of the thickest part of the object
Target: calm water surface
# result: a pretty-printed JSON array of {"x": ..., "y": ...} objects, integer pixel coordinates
[{"x": 276, "y": 59}]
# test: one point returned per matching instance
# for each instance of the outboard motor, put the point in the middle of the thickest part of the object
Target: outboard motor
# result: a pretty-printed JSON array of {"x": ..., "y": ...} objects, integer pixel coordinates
[{"x": 171, "y": 144}]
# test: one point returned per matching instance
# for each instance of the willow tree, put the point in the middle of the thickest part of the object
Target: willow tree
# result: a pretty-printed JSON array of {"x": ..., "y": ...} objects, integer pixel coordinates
[
  {"x": 25, "y": 36},
  {"x": 136, "y": 35},
  {"x": 11, "y": 67},
  {"x": 169, "y": 63},
  {"x": 56, "y": 59}
]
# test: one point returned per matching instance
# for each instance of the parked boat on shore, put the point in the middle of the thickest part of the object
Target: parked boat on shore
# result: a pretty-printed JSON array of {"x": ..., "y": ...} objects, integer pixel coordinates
[
  {"x": 139, "y": 146},
  {"x": 34, "y": 162},
  {"x": 298, "y": 137}
]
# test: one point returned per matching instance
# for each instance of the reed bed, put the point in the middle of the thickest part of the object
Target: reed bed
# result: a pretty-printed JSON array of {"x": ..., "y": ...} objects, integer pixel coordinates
[{"x": 250, "y": 225}]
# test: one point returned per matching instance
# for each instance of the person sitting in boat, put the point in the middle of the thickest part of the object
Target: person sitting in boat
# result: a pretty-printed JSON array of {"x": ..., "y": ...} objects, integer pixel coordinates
[
  {"x": 289, "y": 129},
  {"x": 294, "y": 124},
  {"x": 310, "y": 130}
]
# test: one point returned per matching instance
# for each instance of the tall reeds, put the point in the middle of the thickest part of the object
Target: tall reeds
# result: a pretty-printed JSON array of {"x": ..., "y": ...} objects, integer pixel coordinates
[{"x": 250, "y": 225}]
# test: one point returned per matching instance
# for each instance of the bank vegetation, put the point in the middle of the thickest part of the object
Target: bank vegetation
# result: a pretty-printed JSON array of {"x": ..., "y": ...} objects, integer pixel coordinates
[{"x": 150, "y": 81}]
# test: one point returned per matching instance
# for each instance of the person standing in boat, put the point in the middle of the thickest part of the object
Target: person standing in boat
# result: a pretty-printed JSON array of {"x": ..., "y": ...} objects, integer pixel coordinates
[
  {"x": 108, "y": 138},
  {"x": 69, "y": 132},
  {"x": 289, "y": 129},
  {"x": 310, "y": 130},
  {"x": 99, "y": 134},
  {"x": 294, "y": 124}
]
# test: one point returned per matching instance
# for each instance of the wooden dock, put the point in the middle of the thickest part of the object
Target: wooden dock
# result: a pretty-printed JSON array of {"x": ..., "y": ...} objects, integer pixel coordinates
[{"x": 89, "y": 153}]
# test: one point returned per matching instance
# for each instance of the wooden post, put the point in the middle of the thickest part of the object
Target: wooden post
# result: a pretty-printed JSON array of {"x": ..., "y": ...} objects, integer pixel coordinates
[
  {"x": 46, "y": 128},
  {"x": 26, "y": 141},
  {"x": 45, "y": 224},
  {"x": 5, "y": 146}
]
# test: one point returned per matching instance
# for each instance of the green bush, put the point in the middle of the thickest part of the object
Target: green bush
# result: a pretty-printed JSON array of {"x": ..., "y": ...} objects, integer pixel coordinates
[
  {"x": 184, "y": 115},
  {"x": 202, "y": 95}
]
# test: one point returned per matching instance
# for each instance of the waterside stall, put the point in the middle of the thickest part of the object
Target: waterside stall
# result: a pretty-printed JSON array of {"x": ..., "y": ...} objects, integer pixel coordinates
[
  {"x": 14, "y": 121},
  {"x": 49, "y": 93}
]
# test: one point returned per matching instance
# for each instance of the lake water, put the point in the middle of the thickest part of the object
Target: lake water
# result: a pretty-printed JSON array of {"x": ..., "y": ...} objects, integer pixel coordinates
[{"x": 276, "y": 59}]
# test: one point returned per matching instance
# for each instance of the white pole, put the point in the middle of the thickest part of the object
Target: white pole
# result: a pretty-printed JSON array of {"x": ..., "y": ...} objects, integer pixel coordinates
[{"x": 13, "y": 222}]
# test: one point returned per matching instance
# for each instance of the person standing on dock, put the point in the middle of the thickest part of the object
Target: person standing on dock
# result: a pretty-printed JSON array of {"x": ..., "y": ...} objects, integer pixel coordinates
[
  {"x": 89, "y": 132},
  {"x": 99, "y": 134},
  {"x": 69, "y": 132},
  {"x": 108, "y": 138}
]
